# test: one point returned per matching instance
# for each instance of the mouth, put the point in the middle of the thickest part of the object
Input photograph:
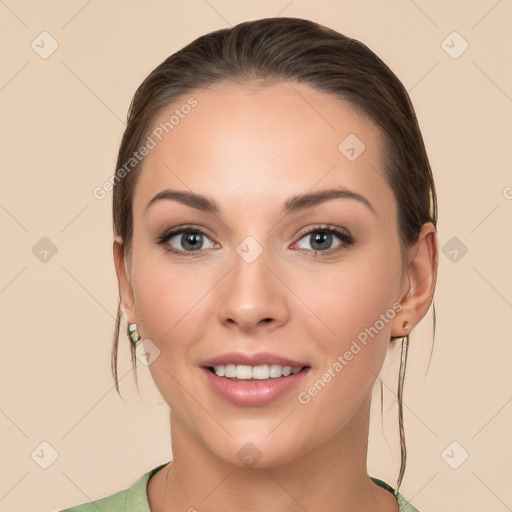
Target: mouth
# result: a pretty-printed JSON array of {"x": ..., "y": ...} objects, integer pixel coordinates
[{"x": 256, "y": 389}]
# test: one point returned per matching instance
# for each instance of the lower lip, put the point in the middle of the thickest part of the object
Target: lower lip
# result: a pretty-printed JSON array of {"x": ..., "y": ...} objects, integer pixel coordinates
[{"x": 254, "y": 392}]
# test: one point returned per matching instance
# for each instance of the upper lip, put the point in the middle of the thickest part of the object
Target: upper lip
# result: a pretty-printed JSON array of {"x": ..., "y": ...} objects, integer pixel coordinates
[{"x": 256, "y": 359}]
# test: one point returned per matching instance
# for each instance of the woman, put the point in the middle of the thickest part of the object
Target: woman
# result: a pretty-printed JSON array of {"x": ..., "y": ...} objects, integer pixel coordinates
[{"x": 275, "y": 231}]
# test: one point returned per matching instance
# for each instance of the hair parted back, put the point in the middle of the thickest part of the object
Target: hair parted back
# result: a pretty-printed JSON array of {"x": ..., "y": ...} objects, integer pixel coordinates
[{"x": 291, "y": 50}]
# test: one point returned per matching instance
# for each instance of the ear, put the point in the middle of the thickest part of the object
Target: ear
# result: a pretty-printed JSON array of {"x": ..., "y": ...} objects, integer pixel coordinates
[
  {"x": 419, "y": 281},
  {"x": 123, "y": 279}
]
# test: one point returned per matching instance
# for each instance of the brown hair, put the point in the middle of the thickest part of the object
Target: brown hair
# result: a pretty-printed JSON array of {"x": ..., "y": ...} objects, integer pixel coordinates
[{"x": 288, "y": 49}]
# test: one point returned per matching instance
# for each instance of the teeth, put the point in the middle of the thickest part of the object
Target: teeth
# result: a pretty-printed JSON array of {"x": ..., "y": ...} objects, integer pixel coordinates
[{"x": 242, "y": 371}]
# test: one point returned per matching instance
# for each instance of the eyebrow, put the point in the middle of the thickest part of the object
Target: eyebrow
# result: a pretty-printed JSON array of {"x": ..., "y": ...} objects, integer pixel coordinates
[{"x": 293, "y": 204}]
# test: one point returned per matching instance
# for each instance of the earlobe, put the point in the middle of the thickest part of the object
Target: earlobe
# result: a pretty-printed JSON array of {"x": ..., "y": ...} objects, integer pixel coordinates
[
  {"x": 123, "y": 279},
  {"x": 421, "y": 273}
]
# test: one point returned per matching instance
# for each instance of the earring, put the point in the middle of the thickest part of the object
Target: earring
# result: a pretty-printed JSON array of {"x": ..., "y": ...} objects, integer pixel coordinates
[
  {"x": 133, "y": 334},
  {"x": 405, "y": 326}
]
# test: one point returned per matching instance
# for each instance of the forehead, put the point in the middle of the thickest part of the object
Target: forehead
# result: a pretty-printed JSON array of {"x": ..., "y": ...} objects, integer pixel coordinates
[{"x": 242, "y": 143}]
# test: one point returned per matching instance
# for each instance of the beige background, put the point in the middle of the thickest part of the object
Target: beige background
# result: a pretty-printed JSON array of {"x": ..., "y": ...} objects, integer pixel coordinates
[{"x": 61, "y": 123}]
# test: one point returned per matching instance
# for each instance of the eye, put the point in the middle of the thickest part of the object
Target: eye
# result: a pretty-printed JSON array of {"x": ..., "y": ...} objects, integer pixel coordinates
[
  {"x": 188, "y": 240},
  {"x": 322, "y": 237}
]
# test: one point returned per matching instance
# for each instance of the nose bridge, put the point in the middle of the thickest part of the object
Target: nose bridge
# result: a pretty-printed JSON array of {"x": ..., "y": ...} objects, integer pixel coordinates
[{"x": 252, "y": 293}]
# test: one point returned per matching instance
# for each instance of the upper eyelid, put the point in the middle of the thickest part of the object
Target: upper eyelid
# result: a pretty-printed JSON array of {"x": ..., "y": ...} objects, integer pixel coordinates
[
  {"x": 326, "y": 227},
  {"x": 179, "y": 229}
]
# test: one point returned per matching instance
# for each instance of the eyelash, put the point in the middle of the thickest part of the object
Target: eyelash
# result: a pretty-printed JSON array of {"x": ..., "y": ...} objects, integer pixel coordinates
[{"x": 345, "y": 238}]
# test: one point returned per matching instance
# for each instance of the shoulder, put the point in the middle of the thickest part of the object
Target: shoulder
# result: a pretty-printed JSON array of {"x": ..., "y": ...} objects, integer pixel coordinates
[
  {"x": 110, "y": 503},
  {"x": 133, "y": 499},
  {"x": 403, "y": 504}
]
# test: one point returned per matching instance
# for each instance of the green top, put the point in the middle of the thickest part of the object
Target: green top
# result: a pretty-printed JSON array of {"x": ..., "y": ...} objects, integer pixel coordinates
[{"x": 135, "y": 498}]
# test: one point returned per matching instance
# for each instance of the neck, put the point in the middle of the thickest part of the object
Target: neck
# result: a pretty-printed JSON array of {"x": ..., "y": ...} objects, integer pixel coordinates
[{"x": 332, "y": 476}]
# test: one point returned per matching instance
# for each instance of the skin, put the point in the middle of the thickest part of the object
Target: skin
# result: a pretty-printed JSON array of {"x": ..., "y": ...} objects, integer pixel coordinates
[{"x": 250, "y": 148}]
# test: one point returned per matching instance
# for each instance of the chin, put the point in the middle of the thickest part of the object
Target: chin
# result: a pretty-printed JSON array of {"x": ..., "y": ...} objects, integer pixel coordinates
[{"x": 258, "y": 453}]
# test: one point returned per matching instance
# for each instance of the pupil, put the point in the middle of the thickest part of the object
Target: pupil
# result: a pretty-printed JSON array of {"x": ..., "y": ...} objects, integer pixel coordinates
[
  {"x": 191, "y": 240},
  {"x": 322, "y": 237}
]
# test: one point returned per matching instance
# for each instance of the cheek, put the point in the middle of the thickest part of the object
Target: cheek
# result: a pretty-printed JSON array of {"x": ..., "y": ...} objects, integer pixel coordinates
[
  {"x": 171, "y": 314},
  {"x": 167, "y": 299},
  {"x": 356, "y": 306},
  {"x": 352, "y": 296},
  {"x": 356, "y": 315}
]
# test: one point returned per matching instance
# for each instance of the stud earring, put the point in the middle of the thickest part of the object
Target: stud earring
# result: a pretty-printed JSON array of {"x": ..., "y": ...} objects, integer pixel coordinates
[{"x": 133, "y": 334}]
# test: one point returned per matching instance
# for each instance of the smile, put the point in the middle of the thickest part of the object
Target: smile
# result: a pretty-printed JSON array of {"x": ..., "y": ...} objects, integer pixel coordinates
[
  {"x": 250, "y": 391},
  {"x": 247, "y": 372}
]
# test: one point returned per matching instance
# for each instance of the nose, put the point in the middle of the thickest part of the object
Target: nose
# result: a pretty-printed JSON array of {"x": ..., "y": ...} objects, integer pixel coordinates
[{"x": 253, "y": 296}]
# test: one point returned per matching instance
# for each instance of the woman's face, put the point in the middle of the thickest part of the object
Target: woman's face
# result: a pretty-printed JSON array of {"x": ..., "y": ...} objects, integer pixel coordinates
[{"x": 249, "y": 279}]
